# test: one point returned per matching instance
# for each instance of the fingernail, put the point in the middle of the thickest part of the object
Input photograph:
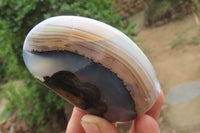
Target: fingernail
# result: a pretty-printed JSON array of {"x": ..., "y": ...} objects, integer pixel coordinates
[{"x": 88, "y": 126}]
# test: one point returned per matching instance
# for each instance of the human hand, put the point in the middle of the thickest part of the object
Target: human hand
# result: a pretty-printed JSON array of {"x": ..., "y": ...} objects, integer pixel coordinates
[{"x": 81, "y": 122}]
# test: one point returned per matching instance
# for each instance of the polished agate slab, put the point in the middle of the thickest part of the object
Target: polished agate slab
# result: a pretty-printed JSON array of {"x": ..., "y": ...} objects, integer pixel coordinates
[{"x": 93, "y": 66}]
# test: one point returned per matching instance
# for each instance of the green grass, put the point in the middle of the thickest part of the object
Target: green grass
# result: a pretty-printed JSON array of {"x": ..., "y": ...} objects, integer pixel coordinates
[
  {"x": 180, "y": 40},
  {"x": 195, "y": 40}
]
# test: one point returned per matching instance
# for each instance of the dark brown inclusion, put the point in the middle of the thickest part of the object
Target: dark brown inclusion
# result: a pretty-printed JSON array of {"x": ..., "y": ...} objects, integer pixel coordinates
[{"x": 83, "y": 94}]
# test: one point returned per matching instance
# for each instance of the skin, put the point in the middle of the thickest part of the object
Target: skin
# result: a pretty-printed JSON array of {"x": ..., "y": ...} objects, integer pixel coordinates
[{"x": 81, "y": 122}]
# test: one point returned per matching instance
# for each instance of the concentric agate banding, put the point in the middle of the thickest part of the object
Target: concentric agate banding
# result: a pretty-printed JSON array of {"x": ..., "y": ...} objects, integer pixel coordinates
[{"x": 103, "y": 45}]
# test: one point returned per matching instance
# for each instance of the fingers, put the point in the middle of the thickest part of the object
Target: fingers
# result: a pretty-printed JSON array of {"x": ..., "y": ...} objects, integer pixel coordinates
[
  {"x": 95, "y": 124},
  {"x": 155, "y": 110},
  {"x": 145, "y": 124},
  {"x": 74, "y": 125},
  {"x": 91, "y": 124}
]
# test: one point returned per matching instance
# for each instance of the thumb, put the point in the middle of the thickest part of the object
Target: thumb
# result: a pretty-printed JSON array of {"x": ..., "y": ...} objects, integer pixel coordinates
[{"x": 95, "y": 124}]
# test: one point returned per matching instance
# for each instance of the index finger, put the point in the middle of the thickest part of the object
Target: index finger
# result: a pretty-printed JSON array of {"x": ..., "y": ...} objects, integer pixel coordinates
[{"x": 74, "y": 125}]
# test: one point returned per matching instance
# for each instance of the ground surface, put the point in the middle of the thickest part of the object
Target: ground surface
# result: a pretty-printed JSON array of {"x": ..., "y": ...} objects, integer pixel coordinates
[
  {"x": 173, "y": 65},
  {"x": 174, "y": 50}
]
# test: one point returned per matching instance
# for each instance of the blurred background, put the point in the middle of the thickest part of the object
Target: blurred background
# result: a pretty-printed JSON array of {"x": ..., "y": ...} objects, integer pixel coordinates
[{"x": 167, "y": 31}]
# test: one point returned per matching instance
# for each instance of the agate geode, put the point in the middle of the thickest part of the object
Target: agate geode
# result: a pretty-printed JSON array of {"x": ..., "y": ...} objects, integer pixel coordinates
[{"x": 93, "y": 66}]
